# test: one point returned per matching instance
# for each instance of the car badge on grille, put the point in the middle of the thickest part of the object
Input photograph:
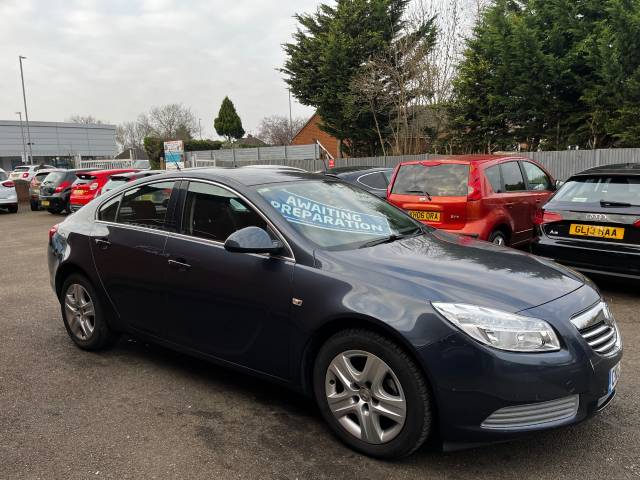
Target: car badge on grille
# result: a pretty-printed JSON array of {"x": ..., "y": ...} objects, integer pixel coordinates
[{"x": 600, "y": 217}]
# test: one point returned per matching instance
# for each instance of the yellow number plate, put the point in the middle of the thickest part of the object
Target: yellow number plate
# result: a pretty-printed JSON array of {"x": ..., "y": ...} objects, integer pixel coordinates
[
  {"x": 78, "y": 192},
  {"x": 599, "y": 231},
  {"x": 44, "y": 203},
  {"x": 425, "y": 216}
]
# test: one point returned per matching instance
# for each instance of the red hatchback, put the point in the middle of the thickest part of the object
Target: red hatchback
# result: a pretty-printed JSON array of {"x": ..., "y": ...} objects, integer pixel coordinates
[
  {"x": 490, "y": 197},
  {"x": 88, "y": 184}
]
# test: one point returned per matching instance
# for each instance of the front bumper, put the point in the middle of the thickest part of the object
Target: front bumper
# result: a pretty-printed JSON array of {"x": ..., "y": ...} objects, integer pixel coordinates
[
  {"x": 476, "y": 385},
  {"x": 596, "y": 257}
]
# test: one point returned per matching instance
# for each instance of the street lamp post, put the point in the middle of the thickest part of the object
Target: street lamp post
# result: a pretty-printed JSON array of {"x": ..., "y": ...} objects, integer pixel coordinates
[
  {"x": 26, "y": 113},
  {"x": 200, "y": 125},
  {"x": 24, "y": 147}
]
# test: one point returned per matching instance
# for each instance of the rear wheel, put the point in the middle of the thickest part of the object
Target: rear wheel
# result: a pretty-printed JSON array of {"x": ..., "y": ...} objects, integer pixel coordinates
[
  {"x": 84, "y": 315},
  {"x": 13, "y": 209},
  {"x": 372, "y": 394},
  {"x": 498, "y": 237},
  {"x": 34, "y": 206}
]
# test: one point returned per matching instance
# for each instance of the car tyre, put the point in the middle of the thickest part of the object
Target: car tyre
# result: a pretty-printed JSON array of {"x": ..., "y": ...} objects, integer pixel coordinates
[
  {"x": 83, "y": 314},
  {"x": 500, "y": 238},
  {"x": 34, "y": 206},
  {"x": 13, "y": 208},
  {"x": 382, "y": 436}
]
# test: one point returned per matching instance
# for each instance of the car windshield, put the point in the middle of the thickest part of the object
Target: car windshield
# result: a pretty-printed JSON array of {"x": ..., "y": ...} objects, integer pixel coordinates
[
  {"x": 3, "y": 176},
  {"x": 336, "y": 215},
  {"x": 605, "y": 189},
  {"x": 54, "y": 177},
  {"x": 443, "y": 180}
]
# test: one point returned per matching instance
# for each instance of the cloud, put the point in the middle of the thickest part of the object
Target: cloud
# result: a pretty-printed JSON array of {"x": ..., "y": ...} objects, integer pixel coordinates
[{"x": 114, "y": 59}]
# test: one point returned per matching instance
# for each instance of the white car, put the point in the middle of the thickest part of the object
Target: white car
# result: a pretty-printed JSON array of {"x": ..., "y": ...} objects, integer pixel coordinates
[
  {"x": 8, "y": 195},
  {"x": 26, "y": 172}
]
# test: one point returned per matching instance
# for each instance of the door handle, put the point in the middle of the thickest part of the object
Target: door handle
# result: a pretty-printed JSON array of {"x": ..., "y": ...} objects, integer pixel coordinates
[
  {"x": 102, "y": 243},
  {"x": 180, "y": 265}
]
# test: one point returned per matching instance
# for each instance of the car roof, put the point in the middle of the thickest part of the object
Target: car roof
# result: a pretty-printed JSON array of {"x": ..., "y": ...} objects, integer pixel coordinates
[
  {"x": 136, "y": 175},
  {"x": 245, "y": 176},
  {"x": 615, "y": 169},
  {"x": 471, "y": 158}
]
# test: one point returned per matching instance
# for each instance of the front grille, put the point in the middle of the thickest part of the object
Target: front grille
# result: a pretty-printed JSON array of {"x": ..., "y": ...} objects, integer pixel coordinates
[
  {"x": 533, "y": 414},
  {"x": 598, "y": 327},
  {"x": 601, "y": 337}
]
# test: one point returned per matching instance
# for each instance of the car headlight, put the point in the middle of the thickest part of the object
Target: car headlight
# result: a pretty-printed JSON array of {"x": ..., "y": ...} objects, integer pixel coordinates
[{"x": 498, "y": 329}]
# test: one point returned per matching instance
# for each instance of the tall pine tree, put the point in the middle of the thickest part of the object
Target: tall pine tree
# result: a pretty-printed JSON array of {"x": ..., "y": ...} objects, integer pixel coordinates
[{"x": 228, "y": 123}]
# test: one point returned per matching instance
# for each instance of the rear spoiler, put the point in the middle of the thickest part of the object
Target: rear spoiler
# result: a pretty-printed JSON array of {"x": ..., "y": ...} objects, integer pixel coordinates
[{"x": 86, "y": 176}]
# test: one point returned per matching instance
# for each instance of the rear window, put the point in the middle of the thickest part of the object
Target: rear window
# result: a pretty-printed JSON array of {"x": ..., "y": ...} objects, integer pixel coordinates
[
  {"x": 113, "y": 183},
  {"x": 54, "y": 177},
  {"x": 41, "y": 176},
  {"x": 3, "y": 176},
  {"x": 21, "y": 169},
  {"x": 444, "y": 180},
  {"x": 600, "y": 189}
]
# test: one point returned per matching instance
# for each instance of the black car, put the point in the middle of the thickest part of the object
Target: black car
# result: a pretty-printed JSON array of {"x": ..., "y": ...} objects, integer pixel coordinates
[
  {"x": 55, "y": 189},
  {"x": 120, "y": 179},
  {"x": 593, "y": 222},
  {"x": 396, "y": 329},
  {"x": 373, "y": 179}
]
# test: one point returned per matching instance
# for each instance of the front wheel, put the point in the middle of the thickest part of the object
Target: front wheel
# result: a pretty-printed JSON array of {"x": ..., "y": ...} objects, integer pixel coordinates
[
  {"x": 83, "y": 314},
  {"x": 13, "y": 209},
  {"x": 372, "y": 394}
]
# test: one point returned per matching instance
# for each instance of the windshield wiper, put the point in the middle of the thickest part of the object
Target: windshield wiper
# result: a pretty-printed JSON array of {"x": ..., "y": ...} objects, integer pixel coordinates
[
  {"x": 607, "y": 203},
  {"x": 423, "y": 192},
  {"x": 392, "y": 238}
]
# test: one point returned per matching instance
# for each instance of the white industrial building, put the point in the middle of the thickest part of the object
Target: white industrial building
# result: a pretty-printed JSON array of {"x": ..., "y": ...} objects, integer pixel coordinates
[{"x": 54, "y": 143}]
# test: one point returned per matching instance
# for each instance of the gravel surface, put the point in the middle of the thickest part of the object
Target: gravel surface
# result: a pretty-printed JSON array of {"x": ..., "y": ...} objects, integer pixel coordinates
[{"x": 140, "y": 411}]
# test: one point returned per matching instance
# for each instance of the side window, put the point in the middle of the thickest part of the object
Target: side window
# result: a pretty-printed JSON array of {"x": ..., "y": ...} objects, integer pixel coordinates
[
  {"x": 493, "y": 175},
  {"x": 538, "y": 180},
  {"x": 214, "y": 213},
  {"x": 146, "y": 206},
  {"x": 512, "y": 176},
  {"x": 108, "y": 211},
  {"x": 375, "y": 180}
]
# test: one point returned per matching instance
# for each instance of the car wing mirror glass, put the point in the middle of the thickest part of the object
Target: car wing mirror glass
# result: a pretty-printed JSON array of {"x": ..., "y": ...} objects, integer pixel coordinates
[{"x": 252, "y": 240}]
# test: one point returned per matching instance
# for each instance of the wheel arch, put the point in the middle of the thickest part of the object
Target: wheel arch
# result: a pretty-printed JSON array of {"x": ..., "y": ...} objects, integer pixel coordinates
[{"x": 64, "y": 271}]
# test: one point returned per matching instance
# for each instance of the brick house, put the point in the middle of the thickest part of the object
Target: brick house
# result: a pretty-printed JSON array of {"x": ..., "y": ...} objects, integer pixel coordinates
[{"x": 311, "y": 133}]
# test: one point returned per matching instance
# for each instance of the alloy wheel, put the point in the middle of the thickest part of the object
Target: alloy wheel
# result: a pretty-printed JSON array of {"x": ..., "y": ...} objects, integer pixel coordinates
[
  {"x": 79, "y": 311},
  {"x": 365, "y": 396},
  {"x": 499, "y": 240}
]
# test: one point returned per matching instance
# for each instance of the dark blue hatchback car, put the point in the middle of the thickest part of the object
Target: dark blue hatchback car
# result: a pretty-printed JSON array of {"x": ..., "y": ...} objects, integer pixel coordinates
[{"x": 400, "y": 332}]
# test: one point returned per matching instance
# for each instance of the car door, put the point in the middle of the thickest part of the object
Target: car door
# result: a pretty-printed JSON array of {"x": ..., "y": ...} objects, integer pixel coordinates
[
  {"x": 232, "y": 306},
  {"x": 539, "y": 186},
  {"x": 515, "y": 199},
  {"x": 127, "y": 243}
]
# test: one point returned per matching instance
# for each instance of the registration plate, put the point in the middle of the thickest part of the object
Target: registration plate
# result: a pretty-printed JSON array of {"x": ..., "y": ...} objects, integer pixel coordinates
[
  {"x": 44, "y": 203},
  {"x": 425, "y": 215},
  {"x": 78, "y": 192},
  {"x": 614, "y": 376},
  {"x": 599, "y": 231}
]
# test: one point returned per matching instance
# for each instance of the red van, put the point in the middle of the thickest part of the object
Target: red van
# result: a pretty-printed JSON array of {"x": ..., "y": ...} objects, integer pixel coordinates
[
  {"x": 88, "y": 184},
  {"x": 489, "y": 197}
]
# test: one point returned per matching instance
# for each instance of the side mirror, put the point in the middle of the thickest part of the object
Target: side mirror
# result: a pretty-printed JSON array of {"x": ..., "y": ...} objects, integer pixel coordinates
[
  {"x": 252, "y": 240},
  {"x": 558, "y": 184}
]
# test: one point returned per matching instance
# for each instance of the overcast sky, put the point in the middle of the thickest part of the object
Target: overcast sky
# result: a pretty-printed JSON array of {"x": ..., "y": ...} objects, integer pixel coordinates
[{"x": 114, "y": 59}]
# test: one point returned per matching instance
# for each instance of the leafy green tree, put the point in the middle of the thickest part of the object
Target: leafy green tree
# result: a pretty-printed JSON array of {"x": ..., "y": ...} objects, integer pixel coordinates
[
  {"x": 548, "y": 74},
  {"x": 154, "y": 147},
  {"x": 329, "y": 49},
  {"x": 228, "y": 123}
]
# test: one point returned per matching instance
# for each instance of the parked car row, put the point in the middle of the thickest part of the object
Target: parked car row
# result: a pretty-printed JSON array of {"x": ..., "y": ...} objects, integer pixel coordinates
[{"x": 398, "y": 330}]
